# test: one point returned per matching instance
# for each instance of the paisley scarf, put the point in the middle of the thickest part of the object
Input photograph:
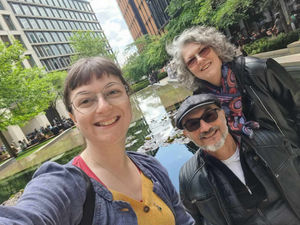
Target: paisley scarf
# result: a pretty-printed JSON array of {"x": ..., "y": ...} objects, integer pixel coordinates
[{"x": 231, "y": 101}]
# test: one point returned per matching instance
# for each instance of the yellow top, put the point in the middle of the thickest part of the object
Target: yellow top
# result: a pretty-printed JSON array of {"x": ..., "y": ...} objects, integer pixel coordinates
[{"x": 151, "y": 210}]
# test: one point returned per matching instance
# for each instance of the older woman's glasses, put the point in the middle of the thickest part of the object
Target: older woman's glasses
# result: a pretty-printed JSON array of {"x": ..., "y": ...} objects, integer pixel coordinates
[
  {"x": 194, "y": 124},
  {"x": 203, "y": 52},
  {"x": 87, "y": 102}
]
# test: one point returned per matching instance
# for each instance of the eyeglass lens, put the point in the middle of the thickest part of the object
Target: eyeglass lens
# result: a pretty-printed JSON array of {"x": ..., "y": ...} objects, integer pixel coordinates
[
  {"x": 202, "y": 53},
  {"x": 208, "y": 117},
  {"x": 86, "y": 102}
]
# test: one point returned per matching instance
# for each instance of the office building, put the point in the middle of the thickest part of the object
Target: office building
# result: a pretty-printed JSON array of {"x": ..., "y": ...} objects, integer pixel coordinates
[
  {"x": 144, "y": 17},
  {"x": 44, "y": 28}
]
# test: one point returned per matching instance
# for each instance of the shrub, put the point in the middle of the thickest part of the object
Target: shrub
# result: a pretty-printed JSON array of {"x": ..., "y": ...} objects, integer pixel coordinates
[{"x": 273, "y": 43}]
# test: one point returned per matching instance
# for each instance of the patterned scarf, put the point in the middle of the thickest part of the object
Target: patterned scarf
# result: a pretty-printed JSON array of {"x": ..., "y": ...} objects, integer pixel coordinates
[{"x": 231, "y": 101}]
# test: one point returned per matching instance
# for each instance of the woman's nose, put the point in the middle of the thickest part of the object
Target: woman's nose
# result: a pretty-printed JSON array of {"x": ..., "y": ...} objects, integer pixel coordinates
[{"x": 102, "y": 105}]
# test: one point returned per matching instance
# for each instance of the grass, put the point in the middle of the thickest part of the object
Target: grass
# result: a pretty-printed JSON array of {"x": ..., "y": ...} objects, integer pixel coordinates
[{"x": 32, "y": 149}]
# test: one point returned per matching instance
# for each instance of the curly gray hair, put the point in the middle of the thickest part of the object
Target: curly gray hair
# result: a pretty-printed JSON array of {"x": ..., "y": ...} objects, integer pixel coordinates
[{"x": 205, "y": 36}]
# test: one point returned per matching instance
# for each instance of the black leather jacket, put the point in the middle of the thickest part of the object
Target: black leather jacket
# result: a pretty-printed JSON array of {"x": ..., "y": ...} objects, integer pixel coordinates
[
  {"x": 279, "y": 159},
  {"x": 270, "y": 95}
]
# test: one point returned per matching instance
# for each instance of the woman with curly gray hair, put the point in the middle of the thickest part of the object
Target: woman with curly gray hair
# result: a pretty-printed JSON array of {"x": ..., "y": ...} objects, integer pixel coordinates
[{"x": 261, "y": 91}]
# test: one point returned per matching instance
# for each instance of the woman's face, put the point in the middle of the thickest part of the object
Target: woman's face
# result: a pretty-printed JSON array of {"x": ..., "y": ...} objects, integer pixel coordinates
[
  {"x": 203, "y": 62},
  {"x": 102, "y": 110}
]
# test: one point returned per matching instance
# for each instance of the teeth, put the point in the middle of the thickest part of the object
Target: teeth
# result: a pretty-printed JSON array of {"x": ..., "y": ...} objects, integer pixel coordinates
[
  {"x": 106, "y": 123},
  {"x": 205, "y": 67}
]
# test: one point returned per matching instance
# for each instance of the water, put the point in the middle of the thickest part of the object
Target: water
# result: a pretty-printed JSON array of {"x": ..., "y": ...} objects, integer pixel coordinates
[{"x": 153, "y": 129}]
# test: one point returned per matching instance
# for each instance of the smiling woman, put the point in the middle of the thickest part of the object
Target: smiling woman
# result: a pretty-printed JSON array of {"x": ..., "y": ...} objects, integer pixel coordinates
[{"x": 131, "y": 188}]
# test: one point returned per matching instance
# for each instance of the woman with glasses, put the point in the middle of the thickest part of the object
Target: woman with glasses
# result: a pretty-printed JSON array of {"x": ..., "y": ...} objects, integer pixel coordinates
[
  {"x": 253, "y": 92},
  {"x": 130, "y": 188}
]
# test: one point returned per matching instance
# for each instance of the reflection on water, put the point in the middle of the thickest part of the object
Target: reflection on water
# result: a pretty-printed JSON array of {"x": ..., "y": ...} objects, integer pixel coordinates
[{"x": 153, "y": 117}]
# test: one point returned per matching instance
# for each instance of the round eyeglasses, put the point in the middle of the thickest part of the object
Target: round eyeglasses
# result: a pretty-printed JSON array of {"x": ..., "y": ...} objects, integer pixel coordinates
[
  {"x": 203, "y": 52},
  {"x": 86, "y": 102}
]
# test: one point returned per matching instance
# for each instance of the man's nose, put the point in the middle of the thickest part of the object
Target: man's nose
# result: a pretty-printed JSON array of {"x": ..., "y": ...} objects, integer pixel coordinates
[{"x": 204, "y": 126}]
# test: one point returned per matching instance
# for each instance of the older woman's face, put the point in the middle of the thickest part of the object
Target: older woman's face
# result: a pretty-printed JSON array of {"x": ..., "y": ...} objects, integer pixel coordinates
[
  {"x": 203, "y": 62},
  {"x": 102, "y": 110}
]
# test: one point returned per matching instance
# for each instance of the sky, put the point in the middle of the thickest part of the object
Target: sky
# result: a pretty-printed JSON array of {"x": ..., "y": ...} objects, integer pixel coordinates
[{"x": 115, "y": 28}]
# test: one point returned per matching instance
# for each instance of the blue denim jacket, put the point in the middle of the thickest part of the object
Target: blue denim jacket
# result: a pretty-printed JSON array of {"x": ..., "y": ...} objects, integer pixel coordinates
[{"x": 56, "y": 195}]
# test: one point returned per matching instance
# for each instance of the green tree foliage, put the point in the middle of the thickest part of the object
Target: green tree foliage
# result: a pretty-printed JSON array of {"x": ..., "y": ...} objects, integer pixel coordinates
[
  {"x": 88, "y": 44},
  {"x": 24, "y": 93},
  {"x": 152, "y": 55}
]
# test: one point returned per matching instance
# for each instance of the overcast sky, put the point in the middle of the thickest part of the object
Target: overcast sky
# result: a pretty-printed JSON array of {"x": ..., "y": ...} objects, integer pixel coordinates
[{"x": 115, "y": 28}]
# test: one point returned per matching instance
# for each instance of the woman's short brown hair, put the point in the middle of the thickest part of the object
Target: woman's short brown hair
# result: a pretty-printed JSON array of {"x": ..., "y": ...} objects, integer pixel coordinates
[{"x": 84, "y": 70}]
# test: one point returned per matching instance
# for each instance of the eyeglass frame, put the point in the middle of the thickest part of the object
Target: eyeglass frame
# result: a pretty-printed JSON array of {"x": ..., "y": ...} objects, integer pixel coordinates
[
  {"x": 201, "y": 118},
  {"x": 204, "y": 51},
  {"x": 127, "y": 91}
]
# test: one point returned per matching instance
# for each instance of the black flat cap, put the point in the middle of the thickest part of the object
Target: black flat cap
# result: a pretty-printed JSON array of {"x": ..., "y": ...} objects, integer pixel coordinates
[{"x": 193, "y": 102}]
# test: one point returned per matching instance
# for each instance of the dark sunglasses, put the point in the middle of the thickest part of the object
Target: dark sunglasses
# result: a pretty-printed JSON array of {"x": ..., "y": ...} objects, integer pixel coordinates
[
  {"x": 202, "y": 53},
  {"x": 209, "y": 116}
]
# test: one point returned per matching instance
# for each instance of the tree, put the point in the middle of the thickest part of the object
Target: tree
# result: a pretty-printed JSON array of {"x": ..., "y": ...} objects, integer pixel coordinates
[
  {"x": 152, "y": 55},
  {"x": 24, "y": 93},
  {"x": 88, "y": 44}
]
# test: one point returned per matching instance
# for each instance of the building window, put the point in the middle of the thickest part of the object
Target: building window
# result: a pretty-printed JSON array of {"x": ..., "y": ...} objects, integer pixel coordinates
[
  {"x": 33, "y": 23},
  {"x": 31, "y": 37},
  {"x": 61, "y": 36},
  {"x": 41, "y": 24},
  {"x": 47, "y": 50},
  {"x": 5, "y": 40},
  {"x": 49, "y": 12},
  {"x": 55, "y": 37},
  {"x": 48, "y": 37},
  {"x": 17, "y": 9},
  {"x": 40, "y": 37},
  {"x": 42, "y": 11},
  {"x": 26, "y": 10},
  {"x": 34, "y": 11},
  {"x": 19, "y": 38},
  {"x": 24, "y": 23},
  {"x": 31, "y": 60},
  {"x": 9, "y": 22}
]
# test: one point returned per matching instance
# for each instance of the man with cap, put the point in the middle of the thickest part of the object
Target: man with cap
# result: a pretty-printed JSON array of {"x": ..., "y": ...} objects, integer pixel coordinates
[{"x": 233, "y": 180}]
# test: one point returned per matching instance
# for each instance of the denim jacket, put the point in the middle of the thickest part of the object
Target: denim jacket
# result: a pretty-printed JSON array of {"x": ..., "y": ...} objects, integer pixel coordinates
[{"x": 57, "y": 192}]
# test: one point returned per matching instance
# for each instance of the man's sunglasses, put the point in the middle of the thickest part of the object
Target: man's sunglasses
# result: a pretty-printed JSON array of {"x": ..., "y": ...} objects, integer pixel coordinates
[{"x": 194, "y": 124}]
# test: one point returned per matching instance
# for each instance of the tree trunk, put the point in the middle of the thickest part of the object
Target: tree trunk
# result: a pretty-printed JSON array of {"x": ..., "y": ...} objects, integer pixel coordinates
[
  {"x": 284, "y": 14},
  {"x": 8, "y": 148}
]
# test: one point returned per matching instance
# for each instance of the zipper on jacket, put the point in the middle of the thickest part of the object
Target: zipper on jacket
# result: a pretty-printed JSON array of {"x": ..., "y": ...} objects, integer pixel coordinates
[
  {"x": 249, "y": 190},
  {"x": 267, "y": 111}
]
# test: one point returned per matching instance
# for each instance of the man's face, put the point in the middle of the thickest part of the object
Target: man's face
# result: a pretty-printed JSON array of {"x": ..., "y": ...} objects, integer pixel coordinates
[{"x": 209, "y": 136}]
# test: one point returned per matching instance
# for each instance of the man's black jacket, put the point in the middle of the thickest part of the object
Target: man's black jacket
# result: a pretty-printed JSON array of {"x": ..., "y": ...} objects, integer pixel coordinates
[{"x": 280, "y": 158}]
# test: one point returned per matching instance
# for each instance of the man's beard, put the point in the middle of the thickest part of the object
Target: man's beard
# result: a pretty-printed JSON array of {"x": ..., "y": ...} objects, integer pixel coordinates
[{"x": 216, "y": 146}]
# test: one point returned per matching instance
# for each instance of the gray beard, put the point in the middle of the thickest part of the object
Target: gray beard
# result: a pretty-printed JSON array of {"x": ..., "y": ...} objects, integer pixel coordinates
[{"x": 216, "y": 146}]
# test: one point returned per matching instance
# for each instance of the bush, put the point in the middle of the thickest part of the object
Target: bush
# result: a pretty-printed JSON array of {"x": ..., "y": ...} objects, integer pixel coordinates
[
  {"x": 139, "y": 86},
  {"x": 273, "y": 43}
]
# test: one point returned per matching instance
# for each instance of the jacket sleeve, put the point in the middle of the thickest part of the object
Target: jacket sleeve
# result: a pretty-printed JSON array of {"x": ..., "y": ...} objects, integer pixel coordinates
[
  {"x": 284, "y": 89},
  {"x": 55, "y": 196},
  {"x": 189, "y": 206}
]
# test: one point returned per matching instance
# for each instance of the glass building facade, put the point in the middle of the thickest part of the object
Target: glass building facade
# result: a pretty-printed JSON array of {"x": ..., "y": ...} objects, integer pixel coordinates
[{"x": 46, "y": 25}]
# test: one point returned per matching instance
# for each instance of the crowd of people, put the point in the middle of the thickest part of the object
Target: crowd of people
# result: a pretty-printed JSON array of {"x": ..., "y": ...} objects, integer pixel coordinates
[{"x": 244, "y": 115}]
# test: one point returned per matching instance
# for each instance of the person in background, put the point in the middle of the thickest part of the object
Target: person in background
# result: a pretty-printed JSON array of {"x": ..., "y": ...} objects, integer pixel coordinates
[
  {"x": 131, "y": 188},
  {"x": 253, "y": 92},
  {"x": 277, "y": 28},
  {"x": 230, "y": 181}
]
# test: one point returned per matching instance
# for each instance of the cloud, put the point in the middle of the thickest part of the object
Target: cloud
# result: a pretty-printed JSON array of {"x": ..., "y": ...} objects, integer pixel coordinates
[{"x": 113, "y": 25}]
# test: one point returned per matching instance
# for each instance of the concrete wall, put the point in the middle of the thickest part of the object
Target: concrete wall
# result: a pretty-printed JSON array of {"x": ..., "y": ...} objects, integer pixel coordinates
[
  {"x": 35, "y": 123},
  {"x": 66, "y": 141}
]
